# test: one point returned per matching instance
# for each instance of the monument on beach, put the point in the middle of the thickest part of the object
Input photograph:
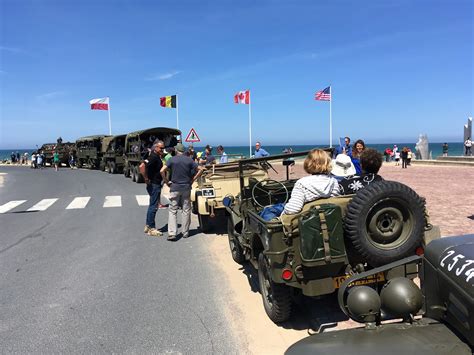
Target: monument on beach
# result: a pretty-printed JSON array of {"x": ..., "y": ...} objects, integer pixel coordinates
[
  {"x": 468, "y": 129},
  {"x": 422, "y": 147}
]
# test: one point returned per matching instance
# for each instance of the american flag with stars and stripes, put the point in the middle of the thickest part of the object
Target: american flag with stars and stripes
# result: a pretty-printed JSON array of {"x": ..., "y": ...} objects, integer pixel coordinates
[{"x": 323, "y": 95}]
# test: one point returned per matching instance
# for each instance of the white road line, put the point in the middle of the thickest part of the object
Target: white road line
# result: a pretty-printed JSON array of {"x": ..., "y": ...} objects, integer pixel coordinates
[
  {"x": 113, "y": 201},
  {"x": 78, "y": 202},
  {"x": 10, "y": 205},
  {"x": 43, "y": 204},
  {"x": 143, "y": 200}
]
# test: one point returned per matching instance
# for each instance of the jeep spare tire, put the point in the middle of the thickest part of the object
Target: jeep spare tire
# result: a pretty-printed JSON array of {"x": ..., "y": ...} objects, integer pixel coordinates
[{"x": 385, "y": 222}]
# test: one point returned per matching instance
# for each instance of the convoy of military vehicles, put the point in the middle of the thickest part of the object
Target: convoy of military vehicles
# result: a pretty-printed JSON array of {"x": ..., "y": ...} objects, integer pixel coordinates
[{"x": 373, "y": 238}]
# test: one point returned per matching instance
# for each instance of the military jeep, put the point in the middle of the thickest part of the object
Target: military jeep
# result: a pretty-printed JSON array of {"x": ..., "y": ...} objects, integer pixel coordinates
[
  {"x": 138, "y": 145},
  {"x": 89, "y": 152},
  {"x": 112, "y": 158},
  {"x": 445, "y": 304},
  {"x": 314, "y": 251},
  {"x": 217, "y": 182},
  {"x": 63, "y": 150}
]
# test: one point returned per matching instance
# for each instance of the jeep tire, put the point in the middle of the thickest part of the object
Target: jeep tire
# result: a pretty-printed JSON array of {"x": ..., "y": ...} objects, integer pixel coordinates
[
  {"x": 235, "y": 247},
  {"x": 385, "y": 222},
  {"x": 276, "y": 297}
]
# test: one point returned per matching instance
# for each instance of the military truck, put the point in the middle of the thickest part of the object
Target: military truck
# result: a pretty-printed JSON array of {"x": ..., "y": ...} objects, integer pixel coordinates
[
  {"x": 138, "y": 145},
  {"x": 446, "y": 301},
  {"x": 217, "y": 182},
  {"x": 314, "y": 251},
  {"x": 63, "y": 150},
  {"x": 112, "y": 158},
  {"x": 89, "y": 151}
]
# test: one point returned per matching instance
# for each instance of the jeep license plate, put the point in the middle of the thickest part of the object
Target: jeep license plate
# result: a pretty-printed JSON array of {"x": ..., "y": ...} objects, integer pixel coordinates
[
  {"x": 338, "y": 281},
  {"x": 208, "y": 193}
]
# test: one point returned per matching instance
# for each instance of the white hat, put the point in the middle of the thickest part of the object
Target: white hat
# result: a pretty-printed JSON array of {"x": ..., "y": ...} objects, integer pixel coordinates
[{"x": 342, "y": 166}]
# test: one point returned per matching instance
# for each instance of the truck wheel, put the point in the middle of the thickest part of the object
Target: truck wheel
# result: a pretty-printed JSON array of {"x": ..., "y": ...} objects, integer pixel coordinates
[
  {"x": 112, "y": 168},
  {"x": 133, "y": 173},
  {"x": 276, "y": 297},
  {"x": 235, "y": 247},
  {"x": 385, "y": 222},
  {"x": 204, "y": 223},
  {"x": 126, "y": 172},
  {"x": 107, "y": 167},
  {"x": 140, "y": 178}
]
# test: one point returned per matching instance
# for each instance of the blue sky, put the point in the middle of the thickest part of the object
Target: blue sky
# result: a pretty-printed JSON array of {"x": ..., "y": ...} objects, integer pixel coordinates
[{"x": 397, "y": 68}]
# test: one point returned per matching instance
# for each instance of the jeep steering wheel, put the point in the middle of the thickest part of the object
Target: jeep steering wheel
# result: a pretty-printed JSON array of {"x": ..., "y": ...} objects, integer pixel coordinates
[{"x": 276, "y": 187}]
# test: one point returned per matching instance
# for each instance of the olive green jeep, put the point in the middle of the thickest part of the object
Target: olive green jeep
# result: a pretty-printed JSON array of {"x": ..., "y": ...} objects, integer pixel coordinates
[
  {"x": 217, "y": 182},
  {"x": 314, "y": 251}
]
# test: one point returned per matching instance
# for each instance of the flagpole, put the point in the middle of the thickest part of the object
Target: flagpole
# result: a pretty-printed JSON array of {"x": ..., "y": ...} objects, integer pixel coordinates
[
  {"x": 330, "y": 117},
  {"x": 250, "y": 126},
  {"x": 110, "y": 122},
  {"x": 177, "y": 117}
]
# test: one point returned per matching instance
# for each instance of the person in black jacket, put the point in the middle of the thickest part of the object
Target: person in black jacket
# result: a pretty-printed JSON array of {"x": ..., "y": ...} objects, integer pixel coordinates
[
  {"x": 370, "y": 161},
  {"x": 404, "y": 156}
]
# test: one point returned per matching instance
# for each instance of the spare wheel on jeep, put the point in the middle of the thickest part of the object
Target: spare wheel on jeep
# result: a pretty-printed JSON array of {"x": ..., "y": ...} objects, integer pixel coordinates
[{"x": 385, "y": 222}]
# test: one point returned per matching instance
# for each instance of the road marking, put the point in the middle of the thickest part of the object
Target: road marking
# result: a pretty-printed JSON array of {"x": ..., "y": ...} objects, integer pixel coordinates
[
  {"x": 10, "y": 205},
  {"x": 43, "y": 205},
  {"x": 78, "y": 202},
  {"x": 143, "y": 200},
  {"x": 113, "y": 201}
]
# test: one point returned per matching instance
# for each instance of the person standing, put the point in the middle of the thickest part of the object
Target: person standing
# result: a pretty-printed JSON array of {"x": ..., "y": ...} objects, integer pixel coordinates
[
  {"x": 404, "y": 156},
  {"x": 445, "y": 149},
  {"x": 56, "y": 160},
  {"x": 357, "y": 150},
  {"x": 259, "y": 151},
  {"x": 224, "y": 158},
  {"x": 345, "y": 148},
  {"x": 184, "y": 171},
  {"x": 467, "y": 146},
  {"x": 207, "y": 158},
  {"x": 153, "y": 180}
]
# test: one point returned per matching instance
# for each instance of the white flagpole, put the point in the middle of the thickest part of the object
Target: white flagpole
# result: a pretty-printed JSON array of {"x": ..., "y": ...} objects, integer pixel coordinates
[
  {"x": 110, "y": 122},
  {"x": 330, "y": 117},
  {"x": 177, "y": 117},
  {"x": 250, "y": 126}
]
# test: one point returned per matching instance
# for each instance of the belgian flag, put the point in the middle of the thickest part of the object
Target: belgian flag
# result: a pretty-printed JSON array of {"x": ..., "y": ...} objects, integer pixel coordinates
[{"x": 168, "y": 101}]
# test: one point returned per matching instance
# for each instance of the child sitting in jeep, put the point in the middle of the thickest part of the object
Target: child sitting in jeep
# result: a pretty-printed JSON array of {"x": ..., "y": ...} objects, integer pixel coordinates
[{"x": 320, "y": 184}]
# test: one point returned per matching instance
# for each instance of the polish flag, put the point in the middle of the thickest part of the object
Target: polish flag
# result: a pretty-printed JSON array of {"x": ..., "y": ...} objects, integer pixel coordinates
[
  {"x": 242, "y": 97},
  {"x": 100, "y": 104}
]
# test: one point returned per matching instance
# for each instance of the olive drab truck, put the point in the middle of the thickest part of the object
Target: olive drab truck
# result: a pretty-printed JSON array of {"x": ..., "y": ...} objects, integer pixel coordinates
[
  {"x": 89, "y": 151},
  {"x": 314, "y": 251},
  {"x": 63, "y": 150},
  {"x": 138, "y": 145},
  {"x": 113, "y": 149}
]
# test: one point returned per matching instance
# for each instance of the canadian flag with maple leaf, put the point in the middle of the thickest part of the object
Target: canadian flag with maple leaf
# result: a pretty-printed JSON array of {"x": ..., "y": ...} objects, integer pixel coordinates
[{"x": 242, "y": 97}]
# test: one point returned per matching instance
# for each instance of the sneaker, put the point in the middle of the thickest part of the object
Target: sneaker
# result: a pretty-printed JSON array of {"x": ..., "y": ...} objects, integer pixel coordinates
[
  {"x": 163, "y": 206},
  {"x": 146, "y": 229},
  {"x": 153, "y": 232},
  {"x": 171, "y": 237}
]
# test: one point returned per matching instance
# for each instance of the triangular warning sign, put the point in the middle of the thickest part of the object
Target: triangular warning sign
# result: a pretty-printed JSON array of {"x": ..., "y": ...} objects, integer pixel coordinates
[{"x": 192, "y": 136}]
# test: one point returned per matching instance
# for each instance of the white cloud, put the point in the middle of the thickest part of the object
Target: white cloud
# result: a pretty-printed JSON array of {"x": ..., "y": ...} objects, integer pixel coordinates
[{"x": 163, "y": 76}]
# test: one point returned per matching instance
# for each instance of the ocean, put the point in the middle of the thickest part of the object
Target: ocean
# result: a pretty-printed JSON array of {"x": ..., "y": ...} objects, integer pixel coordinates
[{"x": 455, "y": 149}]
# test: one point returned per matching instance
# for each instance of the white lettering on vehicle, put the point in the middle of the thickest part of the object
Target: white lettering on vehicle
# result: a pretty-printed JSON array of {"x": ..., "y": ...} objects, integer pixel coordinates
[{"x": 452, "y": 258}]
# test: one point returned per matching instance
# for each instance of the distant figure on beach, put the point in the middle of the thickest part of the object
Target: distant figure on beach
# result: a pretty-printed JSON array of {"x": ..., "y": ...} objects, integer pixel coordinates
[
  {"x": 342, "y": 167},
  {"x": 371, "y": 161},
  {"x": 388, "y": 154},
  {"x": 359, "y": 147},
  {"x": 319, "y": 184},
  {"x": 410, "y": 157},
  {"x": 259, "y": 151},
  {"x": 39, "y": 160},
  {"x": 467, "y": 146},
  {"x": 396, "y": 157},
  {"x": 33, "y": 161},
  {"x": 345, "y": 148},
  {"x": 18, "y": 158},
  {"x": 206, "y": 157},
  {"x": 59, "y": 140},
  {"x": 404, "y": 156},
  {"x": 224, "y": 158},
  {"x": 445, "y": 149},
  {"x": 56, "y": 160}
]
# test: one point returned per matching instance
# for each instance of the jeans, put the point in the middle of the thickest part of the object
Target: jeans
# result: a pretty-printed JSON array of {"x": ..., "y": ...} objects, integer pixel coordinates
[
  {"x": 154, "y": 190},
  {"x": 179, "y": 198}
]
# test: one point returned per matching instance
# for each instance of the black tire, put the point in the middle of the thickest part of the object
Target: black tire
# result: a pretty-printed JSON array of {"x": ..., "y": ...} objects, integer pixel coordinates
[
  {"x": 235, "y": 247},
  {"x": 204, "y": 223},
  {"x": 276, "y": 297},
  {"x": 133, "y": 173},
  {"x": 107, "y": 167},
  {"x": 112, "y": 168},
  {"x": 126, "y": 172},
  {"x": 385, "y": 222}
]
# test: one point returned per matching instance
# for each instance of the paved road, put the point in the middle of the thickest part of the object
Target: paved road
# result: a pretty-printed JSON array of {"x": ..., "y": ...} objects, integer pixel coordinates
[{"x": 89, "y": 280}]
